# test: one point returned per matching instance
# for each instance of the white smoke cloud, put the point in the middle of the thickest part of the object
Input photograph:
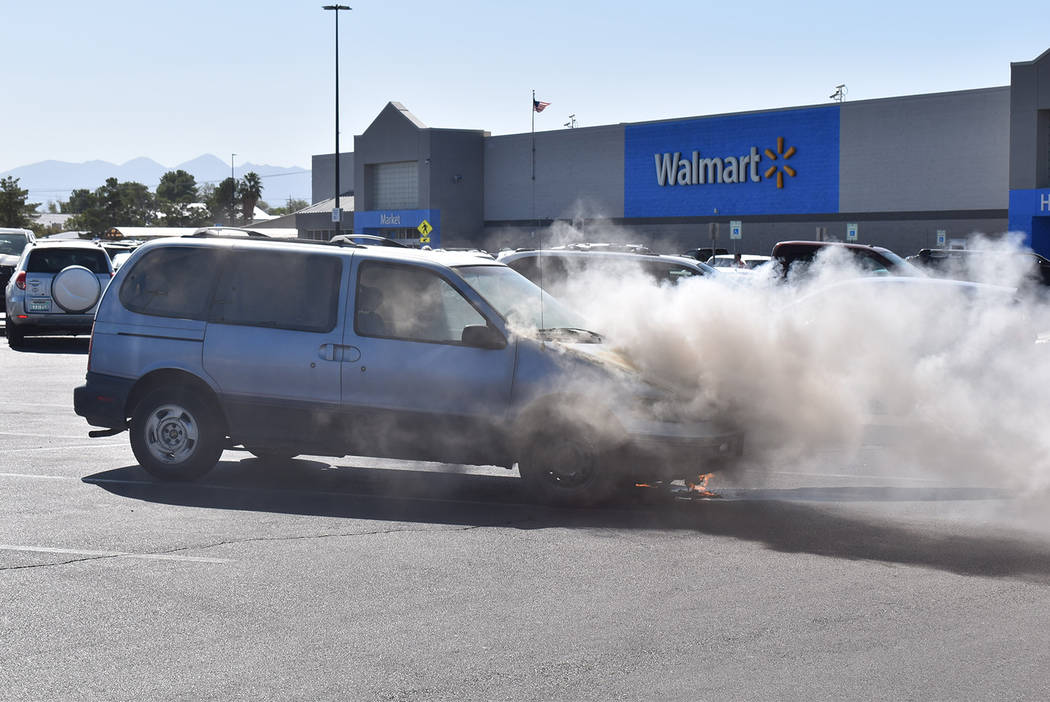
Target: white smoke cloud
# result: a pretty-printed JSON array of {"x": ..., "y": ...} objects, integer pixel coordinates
[{"x": 815, "y": 362}]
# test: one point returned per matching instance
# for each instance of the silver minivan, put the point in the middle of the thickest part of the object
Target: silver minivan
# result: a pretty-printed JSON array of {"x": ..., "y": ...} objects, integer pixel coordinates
[{"x": 288, "y": 348}]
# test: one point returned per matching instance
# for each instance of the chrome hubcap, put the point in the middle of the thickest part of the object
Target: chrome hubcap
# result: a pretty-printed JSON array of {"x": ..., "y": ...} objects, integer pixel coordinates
[{"x": 171, "y": 434}]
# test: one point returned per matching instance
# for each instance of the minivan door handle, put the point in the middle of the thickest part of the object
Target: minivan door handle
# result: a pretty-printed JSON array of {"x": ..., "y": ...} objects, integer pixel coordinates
[{"x": 339, "y": 352}]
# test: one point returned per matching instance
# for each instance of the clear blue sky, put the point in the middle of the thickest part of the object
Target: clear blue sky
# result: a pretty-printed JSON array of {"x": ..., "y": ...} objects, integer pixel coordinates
[{"x": 114, "y": 79}]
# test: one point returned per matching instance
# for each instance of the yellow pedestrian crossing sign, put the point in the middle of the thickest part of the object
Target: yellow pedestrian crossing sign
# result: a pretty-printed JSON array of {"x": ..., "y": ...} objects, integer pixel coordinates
[{"x": 425, "y": 229}]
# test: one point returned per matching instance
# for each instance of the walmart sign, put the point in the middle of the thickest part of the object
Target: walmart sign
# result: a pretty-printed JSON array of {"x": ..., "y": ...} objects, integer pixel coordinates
[{"x": 783, "y": 162}]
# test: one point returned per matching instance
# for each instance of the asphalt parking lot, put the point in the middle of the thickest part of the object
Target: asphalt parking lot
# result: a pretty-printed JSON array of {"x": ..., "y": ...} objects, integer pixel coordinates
[{"x": 355, "y": 578}]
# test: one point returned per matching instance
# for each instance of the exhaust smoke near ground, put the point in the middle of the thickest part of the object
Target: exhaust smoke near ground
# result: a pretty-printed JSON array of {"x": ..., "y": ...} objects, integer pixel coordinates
[{"x": 949, "y": 375}]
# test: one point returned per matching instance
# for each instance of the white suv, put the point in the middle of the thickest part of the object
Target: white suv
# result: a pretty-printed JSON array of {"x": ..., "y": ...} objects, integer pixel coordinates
[
  {"x": 12, "y": 243},
  {"x": 55, "y": 289}
]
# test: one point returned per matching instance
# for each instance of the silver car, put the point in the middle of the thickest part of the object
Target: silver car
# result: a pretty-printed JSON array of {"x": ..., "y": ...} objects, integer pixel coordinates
[
  {"x": 281, "y": 348},
  {"x": 55, "y": 288}
]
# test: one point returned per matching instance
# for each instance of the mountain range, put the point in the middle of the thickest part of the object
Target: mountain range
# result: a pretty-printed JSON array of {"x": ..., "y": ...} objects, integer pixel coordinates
[{"x": 49, "y": 181}]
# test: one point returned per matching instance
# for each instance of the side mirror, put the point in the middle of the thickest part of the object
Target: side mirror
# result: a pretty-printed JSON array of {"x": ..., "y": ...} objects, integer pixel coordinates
[{"x": 483, "y": 336}]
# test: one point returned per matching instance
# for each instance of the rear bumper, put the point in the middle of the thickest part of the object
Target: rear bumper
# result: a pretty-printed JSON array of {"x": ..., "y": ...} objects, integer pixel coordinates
[
  {"x": 102, "y": 399},
  {"x": 41, "y": 324}
]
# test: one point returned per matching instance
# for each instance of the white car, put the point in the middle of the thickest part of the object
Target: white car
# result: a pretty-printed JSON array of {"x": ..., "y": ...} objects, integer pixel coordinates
[{"x": 12, "y": 243}]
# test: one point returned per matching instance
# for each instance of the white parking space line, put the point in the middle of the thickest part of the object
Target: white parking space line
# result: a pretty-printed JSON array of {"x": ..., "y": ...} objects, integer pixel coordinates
[
  {"x": 60, "y": 448},
  {"x": 44, "y": 436},
  {"x": 37, "y": 477},
  {"x": 113, "y": 554}
]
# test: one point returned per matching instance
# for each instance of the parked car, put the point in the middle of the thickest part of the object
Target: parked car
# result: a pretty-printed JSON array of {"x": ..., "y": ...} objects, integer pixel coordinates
[
  {"x": 55, "y": 289},
  {"x": 728, "y": 262},
  {"x": 12, "y": 243},
  {"x": 554, "y": 269},
  {"x": 704, "y": 253},
  {"x": 969, "y": 264},
  {"x": 373, "y": 351},
  {"x": 119, "y": 252},
  {"x": 794, "y": 257}
]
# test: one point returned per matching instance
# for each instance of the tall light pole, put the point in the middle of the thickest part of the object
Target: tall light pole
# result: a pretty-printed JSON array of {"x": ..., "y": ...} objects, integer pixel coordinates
[
  {"x": 233, "y": 191},
  {"x": 337, "y": 213}
]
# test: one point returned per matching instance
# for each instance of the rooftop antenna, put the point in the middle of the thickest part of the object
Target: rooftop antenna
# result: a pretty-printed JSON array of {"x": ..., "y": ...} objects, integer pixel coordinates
[{"x": 840, "y": 92}]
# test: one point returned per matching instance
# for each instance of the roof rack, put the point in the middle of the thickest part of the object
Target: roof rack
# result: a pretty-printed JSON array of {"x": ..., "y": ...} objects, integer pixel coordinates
[{"x": 604, "y": 246}]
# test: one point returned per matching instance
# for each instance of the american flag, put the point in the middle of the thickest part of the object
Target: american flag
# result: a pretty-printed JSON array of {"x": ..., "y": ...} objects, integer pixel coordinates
[{"x": 539, "y": 106}]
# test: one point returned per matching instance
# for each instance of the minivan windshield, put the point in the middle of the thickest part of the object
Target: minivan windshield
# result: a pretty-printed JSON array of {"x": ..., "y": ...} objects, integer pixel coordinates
[{"x": 518, "y": 300}]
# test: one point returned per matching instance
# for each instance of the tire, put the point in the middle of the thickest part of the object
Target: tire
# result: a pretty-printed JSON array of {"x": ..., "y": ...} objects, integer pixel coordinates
[
  {"x": 176, "y": 435},
  {"x": 567, "y": 468},
  {"x": 16, "y": 337},
  {"x": 271, "y": 457},
  {"x": 75, "y": 289}
]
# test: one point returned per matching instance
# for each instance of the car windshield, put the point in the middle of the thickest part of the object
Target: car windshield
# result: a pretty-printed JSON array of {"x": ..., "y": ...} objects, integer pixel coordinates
[
  {"x": 12, "y": 244},
  {"x": 900, "y": 265},
  {"x": 518, "y": 300}
]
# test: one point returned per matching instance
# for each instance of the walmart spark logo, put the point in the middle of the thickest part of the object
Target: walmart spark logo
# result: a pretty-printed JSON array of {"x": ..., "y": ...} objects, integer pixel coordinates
[
  {"x": 673, "y": 169},
  {"x": 783, "y": 168}
]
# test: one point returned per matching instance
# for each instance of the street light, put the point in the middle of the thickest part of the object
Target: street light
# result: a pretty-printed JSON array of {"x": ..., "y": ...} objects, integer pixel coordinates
[
  {"x": 233, "y": 192},
  {"x": 337, "y": 213}
]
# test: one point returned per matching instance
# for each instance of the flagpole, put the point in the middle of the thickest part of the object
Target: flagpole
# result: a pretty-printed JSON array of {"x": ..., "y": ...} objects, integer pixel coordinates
[
  {"x": 532, "y": 110},
  {"x": 539, "y": 244}
]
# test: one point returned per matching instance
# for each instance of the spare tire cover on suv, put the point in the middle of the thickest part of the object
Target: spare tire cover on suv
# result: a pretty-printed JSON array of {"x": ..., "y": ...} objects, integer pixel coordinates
[{"x": 75, "y": 289}]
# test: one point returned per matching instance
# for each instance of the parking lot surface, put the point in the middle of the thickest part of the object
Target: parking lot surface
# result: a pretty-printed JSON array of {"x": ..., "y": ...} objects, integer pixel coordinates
[{"x": 358, "y": 578}]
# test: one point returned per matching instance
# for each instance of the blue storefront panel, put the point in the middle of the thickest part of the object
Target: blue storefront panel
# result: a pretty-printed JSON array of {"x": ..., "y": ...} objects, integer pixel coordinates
[
  {"x": 1030, "y": 213},
  {"x": 784, "y": 162},
  {"x": 376, "y": 221}
]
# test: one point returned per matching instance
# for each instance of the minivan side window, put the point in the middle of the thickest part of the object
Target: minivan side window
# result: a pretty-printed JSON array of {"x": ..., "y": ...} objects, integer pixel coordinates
[
  {"x": 408, "y": 302},
  {"x": 279, "y": 289},
  {"x": 171, "y": 282}
]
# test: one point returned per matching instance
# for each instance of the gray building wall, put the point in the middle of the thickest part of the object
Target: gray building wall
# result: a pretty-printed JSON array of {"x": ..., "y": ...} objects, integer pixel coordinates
[
  {"x": 1030, "y": 124},
  {"x": 946, "y": 151},
  {"x": 579, "y": 174},
  {"x": 322, "y": 176},
  {"x": 454, "y": 181}
]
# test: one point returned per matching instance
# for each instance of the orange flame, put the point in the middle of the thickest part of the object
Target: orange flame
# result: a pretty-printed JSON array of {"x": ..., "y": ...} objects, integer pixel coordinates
[{"x": 700, "y": 486}]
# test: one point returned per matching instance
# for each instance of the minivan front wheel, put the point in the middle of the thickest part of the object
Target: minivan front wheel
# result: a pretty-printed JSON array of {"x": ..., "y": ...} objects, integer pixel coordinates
[
  {"x": 175, "y": 435},
  {"x": 567, "y": 469}
]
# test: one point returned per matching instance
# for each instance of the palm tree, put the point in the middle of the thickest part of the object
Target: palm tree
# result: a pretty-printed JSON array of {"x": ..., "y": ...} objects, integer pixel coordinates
[{"x": 251, "y": 188}]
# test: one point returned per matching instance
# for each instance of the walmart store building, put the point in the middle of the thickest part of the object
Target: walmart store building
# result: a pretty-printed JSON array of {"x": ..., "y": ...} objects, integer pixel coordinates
[{"x": 901, "y": 169}]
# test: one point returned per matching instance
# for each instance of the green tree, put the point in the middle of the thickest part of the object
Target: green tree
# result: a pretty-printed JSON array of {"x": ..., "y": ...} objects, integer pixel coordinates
[
  {"x": 250, "y": 190},
  {"x": 223, "y": 202},
  {"x": 178, "y": 201},
  {"x": 80, "y": 200},
  {"x": 177, "y": 186},
  {"x": 14, "y": 210},
  {"x": 114, "y": 204}
]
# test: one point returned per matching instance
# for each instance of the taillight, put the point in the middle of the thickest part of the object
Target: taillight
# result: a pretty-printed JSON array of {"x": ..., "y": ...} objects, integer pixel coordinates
[
  {"x": 91, "y": 340},
  {"x": 20, "y": 280}
]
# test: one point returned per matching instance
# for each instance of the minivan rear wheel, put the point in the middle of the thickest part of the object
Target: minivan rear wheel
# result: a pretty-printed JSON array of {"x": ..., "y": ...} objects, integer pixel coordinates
[
  {"x": 175, "y": 435},
  {"x": 567, "y": 468}
]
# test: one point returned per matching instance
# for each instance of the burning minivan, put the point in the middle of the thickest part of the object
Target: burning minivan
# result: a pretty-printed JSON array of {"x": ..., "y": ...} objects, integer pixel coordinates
[{"x": 286, "y": 348}]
